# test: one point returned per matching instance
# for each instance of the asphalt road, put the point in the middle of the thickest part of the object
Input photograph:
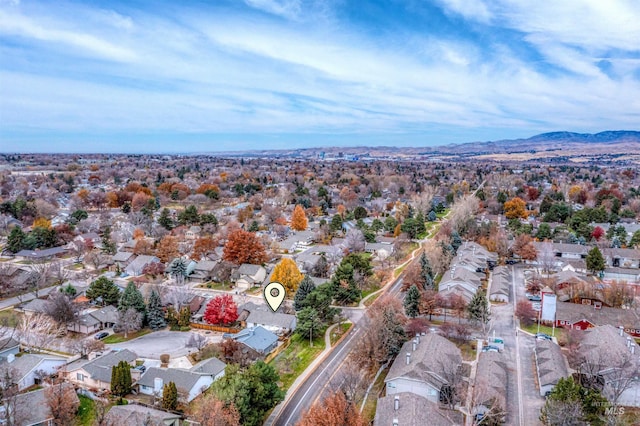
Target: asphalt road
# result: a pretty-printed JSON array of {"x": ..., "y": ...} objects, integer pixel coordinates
[{"x": 320, "y": 380}]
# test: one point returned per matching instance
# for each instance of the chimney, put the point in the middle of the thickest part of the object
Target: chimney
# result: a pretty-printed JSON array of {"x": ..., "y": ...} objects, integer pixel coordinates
[
  {"x": 414, "y": 344},
  {"x": 395, "y": 422},
  {"x": 408, "y": 357},
  {"x": 418, "y": 338},
  {"x": 158, "y": 384},
  {"x": 633, "y": 349},
  {"x": 628, "y": 341},
  {"x": 396, "y": 403},
  {"x": 11, "y": 358},
  {"x": 621, "y": 330}
]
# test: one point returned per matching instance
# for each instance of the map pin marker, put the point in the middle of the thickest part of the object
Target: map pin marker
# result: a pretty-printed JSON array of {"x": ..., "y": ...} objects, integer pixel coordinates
[{"x": 274, "y": 295}]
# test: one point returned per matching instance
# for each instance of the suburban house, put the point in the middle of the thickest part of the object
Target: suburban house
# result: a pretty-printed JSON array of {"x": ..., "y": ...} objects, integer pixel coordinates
[
  {"x": 424, "y": 366},
  {"x": 258, "y": 339},
  {"x": 247, "y": 275},
  {"x": 490, "y": 387},
  {"x": 300, "y": 240},
  {"x": 622, "y": 257},
  {"x": 550, "y": 365},
  {"x": 211, "y": 367},
  {"x": 467, "y": 272},
  {"x": 252, "y": 315},
  {"x": 95, "y": 373},
  {"x": 203, "y": 271},
  {"x": 136, "y": 267},
  {"x": 583, "y": 317},
  {"x": 500, "y": 284},
  {"x": 410, "y": 409},
  {"x": 32, "y": 408},
  {"x": 192, "y": 233},
  {"x": 43, "y": 254},
  {"x": 611, "y": 356},
  {"x": 134, "y": 414},
  {"x": 379, "y": 250},
  {"x": 30, "y": 368},
  {"x": 35, "y": 306},
  {"x": 92, "y": 320},
  {"x": 8, "y": 346},
  {"x": 189, "y": 384},
  {"x": 122, "y": 259}
]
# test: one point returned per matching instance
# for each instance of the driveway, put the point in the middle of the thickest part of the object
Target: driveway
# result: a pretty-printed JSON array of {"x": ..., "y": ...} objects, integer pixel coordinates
[{"x": 154, "y": 344}]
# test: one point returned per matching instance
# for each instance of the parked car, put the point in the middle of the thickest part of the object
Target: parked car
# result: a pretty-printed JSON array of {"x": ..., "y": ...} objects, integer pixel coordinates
[
  {"x": 140, "y": 368},
  {"x": 101, "y": 335},
  {"x": 543, "y": 336},
  {"x": 536, "y": 306},
  {"x": 490, "y": 349},
  {"x": 534, "y": 298}
]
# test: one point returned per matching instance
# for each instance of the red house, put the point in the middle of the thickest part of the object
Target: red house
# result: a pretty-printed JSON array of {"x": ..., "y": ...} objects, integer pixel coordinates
[{"x": 583, "y": 317}]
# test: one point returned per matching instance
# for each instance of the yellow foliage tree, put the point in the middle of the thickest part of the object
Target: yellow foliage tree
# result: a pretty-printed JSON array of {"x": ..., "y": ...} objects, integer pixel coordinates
[
  {"x": 299, "y": 220},
  {"x": 286, "y": 273},
  {"x": 42, "y": 222},
  {"x": 515, "y": 208}
]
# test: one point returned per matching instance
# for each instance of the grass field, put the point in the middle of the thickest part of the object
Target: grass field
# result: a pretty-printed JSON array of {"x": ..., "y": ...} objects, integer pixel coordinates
[
  {"x": 10, "y": 316},
  {"x": 338, "y": 332},
  {"x": 296, "y": 358},
  {"x": 86, "y": 411},
  {"x": 119, "y": 337},
  {"x": 533, "y": 329},
  {"x": 217, "y": 286}
]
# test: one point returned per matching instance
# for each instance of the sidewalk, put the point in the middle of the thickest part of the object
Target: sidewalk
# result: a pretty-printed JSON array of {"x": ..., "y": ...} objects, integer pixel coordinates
[{"x": 304, "y": 375}]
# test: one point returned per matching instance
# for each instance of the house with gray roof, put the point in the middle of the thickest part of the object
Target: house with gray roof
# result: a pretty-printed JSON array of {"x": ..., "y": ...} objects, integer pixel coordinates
[
  {"x": 424, "y": 366},
  {"x": 94, "y": 320},
  {"x": 26, "y": 368},
  {"x": 410, "y": 409},
  {"x": 8, "y": 346},
  {"x": 95, "y": 373},
  {"x": 203, "y": 271},
  {"x": 122, "y": 259},
  {"x": 257, "y": 338},
  {"x": 136, "y": 267},
  {"x": 134, "y": 414},
  {"x": 490, "y": 386},
  {"x": 248, "y": 275},
  {"x": 551, "y": 365},
  {"x": 32, "y": 408},
  {"x": 41, "y": 254},
  {"x": 500, "y": 284},
  {"x": 262, "y": 315},
  {"x": 190, "y": 384},
  {"x": 35, "y": 306},
  {"x": 211, "y": 366}
]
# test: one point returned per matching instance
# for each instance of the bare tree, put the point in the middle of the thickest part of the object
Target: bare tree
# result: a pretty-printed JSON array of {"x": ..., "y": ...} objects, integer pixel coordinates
[
  {"x": 352, "y": 382},
  {"x": 85, "y": 346},
  {"x": 196, "y": 340},
  {"x": 354, "y": 240},
  {"x": 546, "y": 258},
  {"x": 40, "y": 274},
  {"x": 60, "y": 307},
  {"x": 38, "y": 331},
  {"x": 14, "y": 413},
  {"x": 63, "y": 403},
  {"x": 129, "y": 320},
  {"x": 486, "y": 401},
  {"x": 96, "y": 259},
  {"x": 421, "y": 202},
  {"x": 463, "y": 209},
  {"x": 562, "y": 413},
  {"x": 177, "y": 296}
]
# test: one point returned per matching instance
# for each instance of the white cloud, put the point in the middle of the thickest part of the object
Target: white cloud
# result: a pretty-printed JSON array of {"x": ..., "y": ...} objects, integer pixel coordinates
[{"x": 286, "y": 8}]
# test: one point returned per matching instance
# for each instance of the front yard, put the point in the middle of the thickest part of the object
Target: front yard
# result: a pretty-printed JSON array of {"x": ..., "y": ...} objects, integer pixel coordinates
[
  {"x": 119, "y": 337},
  {"x": 296, "y": 358}
]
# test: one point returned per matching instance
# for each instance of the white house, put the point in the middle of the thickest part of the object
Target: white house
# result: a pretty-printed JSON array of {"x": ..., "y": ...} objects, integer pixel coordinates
[
  {"x": 29, "y": 367},
  {"x": 189, "y": 384},
  {"x": 247, "y": 275}
]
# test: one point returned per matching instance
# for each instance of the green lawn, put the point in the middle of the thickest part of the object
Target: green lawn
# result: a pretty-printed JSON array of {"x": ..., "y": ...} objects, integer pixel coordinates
[
  {"x": 365, "y": 293},
  {"x": 217, "y": 286},
  {"x": 399, "y": 270},
  {"x": 11, "y": 317},
  {"x": 443, "y": 214},
  {"x": 369, "y": 410},
  {"x": 296, "y": 358},
  {"x": 86, "y": 411},
  {"x": 543, "y": 329},
  {"x": 372, "y": 299},
  {"x": 119, "y": 337}
]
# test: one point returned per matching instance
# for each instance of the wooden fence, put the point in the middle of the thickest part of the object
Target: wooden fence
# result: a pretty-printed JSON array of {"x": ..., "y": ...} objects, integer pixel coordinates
[
  {"x": 279, "y": 349},
  {"x": 212, "y": 327}
]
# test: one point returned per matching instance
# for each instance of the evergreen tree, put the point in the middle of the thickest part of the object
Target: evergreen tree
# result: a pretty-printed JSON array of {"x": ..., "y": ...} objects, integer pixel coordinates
[
  {"x": 309, "y": 323},
  {"x": 155, "y": 316},
  {"x": 178, "y": 269},
  {"x": 336, "y": 223},
  {"x": 121, "y": 379},
  {"x": 595, "y": 261},
  {"x": 165, "y": 220},
  {"x": 189, "y": 216},
  {"x": 108, "y": 246},
  {"x": 184, "y": 318},
  {"x": 103, "y": 290},
  {"x": 343, "y": 284},
  {"x": 304, "y": 289},
  {"x": 456, "y": 241},
  {"x": 170, "y": 396},
  {"x": 426, "y": 273},
  {"x": 412, "y": 302},
  {"x": 635, "y": 239},
  {"x": 420, "y": 226},
  {"x": 479, "y": 308},
  {"x": 432, "y": 216},
  {"x": 132, "y": 298},
  {"x": 254, "y": 227},
  {"x": 15, "y": 242}
]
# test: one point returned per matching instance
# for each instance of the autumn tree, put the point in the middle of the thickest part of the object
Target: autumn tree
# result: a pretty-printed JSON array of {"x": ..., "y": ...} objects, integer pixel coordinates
[
  {"x": 244, "y": 247},
  {"x": 286, "y": 273},
  {"x": 525, "y": 312},
  {"x": 203, "y": 247},
  {"x": 221, "y": 310},
  {"x": 524, "y": 248},
  {"x": 208, "y": 410},
  {"x": 143, "y": 246},
  {"x": 334, "y": 410},
  {"x": 516, "y": 208},
  {"x": 299, "y": 219},
  {"x": 167, "y": 249},
  {"x": 62, "y": 402}
]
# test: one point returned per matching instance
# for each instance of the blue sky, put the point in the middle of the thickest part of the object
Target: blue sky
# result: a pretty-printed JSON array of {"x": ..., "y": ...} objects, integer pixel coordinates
[{"x": 193, "y": 76}]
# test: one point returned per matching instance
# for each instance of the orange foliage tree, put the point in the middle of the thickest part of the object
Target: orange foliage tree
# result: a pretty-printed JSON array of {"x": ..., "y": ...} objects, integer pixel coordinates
[
  {"x": 515, "y": 208},
  {"x": 210, "y": 411},
  {"x": 138, "y": 233},
  {"x": 244, "y": 247},
  {"x": 143, "y": 247},
  {"x": 299, "y": 220},
  {"x": 167, "y": 248},
  {"x": 202, "y": 247},
  {"x": 286, "y": 273},
  {"x": 42, "y": 222},
  {"x": 335, "y": 410},
  {"x": 112, "y": 200}
]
